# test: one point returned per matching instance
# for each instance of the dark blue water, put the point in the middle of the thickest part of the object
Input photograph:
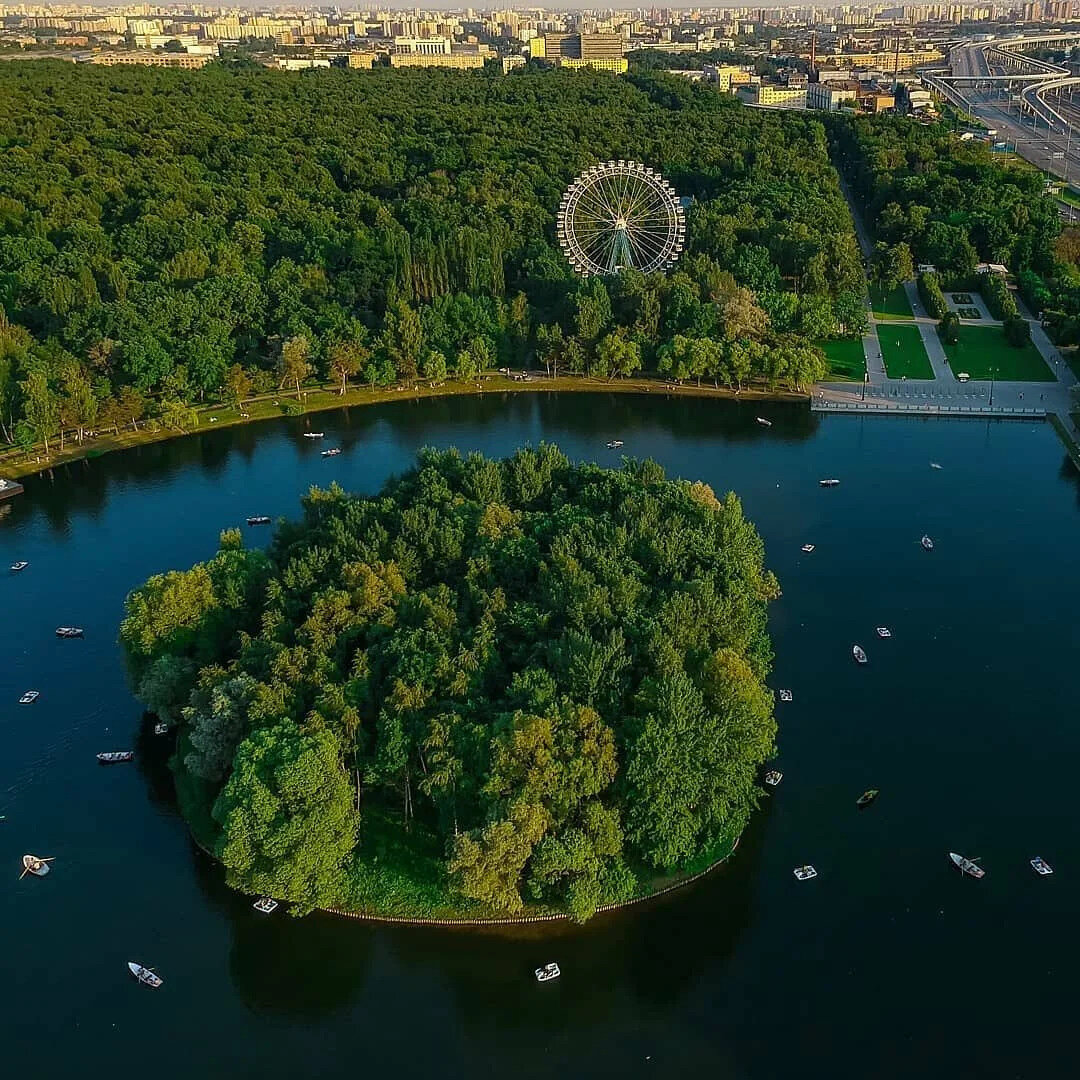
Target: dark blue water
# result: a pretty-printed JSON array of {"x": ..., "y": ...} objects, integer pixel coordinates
[{"x": 888, "y": 965}]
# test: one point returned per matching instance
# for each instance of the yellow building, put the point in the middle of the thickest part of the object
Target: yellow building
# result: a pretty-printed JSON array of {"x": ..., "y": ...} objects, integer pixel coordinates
[
  {"x": 457, "y": 61},
  {"x": 617, "y": 64},
  {"x": 726, "y": 76},
  {"x": 883, "y": 59},
  {"x": 361, "y": 59},
  {"x": 773, "y": 97},
  {"x": 152, "y": 59}
]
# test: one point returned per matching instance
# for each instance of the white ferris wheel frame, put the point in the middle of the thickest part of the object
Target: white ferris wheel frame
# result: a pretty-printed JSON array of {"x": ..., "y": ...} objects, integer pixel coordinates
[{"x": 621, "y": 213}]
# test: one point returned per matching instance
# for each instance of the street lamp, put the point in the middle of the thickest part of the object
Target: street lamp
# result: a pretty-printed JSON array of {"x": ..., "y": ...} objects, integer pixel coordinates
[{"x": 992, "y": 371}]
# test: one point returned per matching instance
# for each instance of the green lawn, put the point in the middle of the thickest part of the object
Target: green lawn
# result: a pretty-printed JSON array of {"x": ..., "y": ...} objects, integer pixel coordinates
[
  {"x": 846, "y": 357},
  {"x": 904, "y": 352},
  {"x": 981, "y": 348},
  {"x": 890, "y": 305}
]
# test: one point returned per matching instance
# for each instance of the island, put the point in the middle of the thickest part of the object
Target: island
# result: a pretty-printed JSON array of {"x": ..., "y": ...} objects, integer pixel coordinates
[{"x": 495, "y": 689}]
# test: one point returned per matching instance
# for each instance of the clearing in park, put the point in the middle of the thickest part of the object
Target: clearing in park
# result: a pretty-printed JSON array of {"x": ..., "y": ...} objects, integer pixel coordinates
[
  {"x": 890, "y": 305},
  {"x": 904, "y": 353},
  {"x": 981, "y": 348},
  {"x": 846, "y": 356}
]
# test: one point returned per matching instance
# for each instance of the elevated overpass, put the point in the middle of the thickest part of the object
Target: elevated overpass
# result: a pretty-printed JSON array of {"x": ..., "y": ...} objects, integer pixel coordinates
[{"x": 1025, "y": 99}]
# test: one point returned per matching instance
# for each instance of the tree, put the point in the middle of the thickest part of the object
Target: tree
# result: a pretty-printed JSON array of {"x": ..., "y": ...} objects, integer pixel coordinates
[
  {"x": 404, "y": 339},
  {"x": 237, "y": 386},
  {"x": 742, "y": 317},
  {"x": 347, "y": 358},
  {"x": 41, "y": 407},
  {"x": 217, "y": 719},
  {"x": 434, "y": 366},
  {"x": 294, "y": 365},
  {"x": 949, "y": 328},
  {"x": 618, "y": 355},
  {"x": 287, "y": 817}
]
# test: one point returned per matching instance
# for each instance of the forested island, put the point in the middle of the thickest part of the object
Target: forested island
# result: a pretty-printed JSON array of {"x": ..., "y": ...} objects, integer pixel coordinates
[
  {"x": 169, "y": 238},
  {"x": 496, "y": 687}
]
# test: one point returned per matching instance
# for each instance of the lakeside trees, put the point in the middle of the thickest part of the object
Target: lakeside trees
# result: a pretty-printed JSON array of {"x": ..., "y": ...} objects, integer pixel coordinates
[
  {"x": 494, "y": 684},
  {"x": 384, "y": 226}
]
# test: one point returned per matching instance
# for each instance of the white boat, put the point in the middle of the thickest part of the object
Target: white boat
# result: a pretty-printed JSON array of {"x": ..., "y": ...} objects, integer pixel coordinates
[
  {"x": 773, "y": 777},
  {"x": 113, "y": 757},
  {"x": 966, "y": 866},
  {"x": 934, "y": 465},
  {"x": 927, "y": 543},
  {"x": 34, "y": 864},
  {"x": 161, "y": 728},
  {"x": 763, "y": 422},
  {"x": 69, "y": 631},
  {"x": 313, "y": 434},
  {"x": 804, "y": 873},
  {"x": 29, "y": 697},
  {"x": 828, "y": 483},
  {"x": 17, "y": 566},
  {"x": 266, "y": 905},
  {"x": 883, "y": 631},
  {"x": 547, "y": 973},
  {"x": 785, "y": 695},
  {"x": 857, "y": 652},
  {"x": 335, "y": 452},
  {"x": 258, "y": 519},
  {"x": 614, "y": 444},
  {"x": 1041, "y": 866},
  {"x": 807, "y": 548},
  {"x": 147, "y": 976}
]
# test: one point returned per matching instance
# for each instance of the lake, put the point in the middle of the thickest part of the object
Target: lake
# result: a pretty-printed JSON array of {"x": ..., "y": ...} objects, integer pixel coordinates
[{"x": 889, "y": 964}]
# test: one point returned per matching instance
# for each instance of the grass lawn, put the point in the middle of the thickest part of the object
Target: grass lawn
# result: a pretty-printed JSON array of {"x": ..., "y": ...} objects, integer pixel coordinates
[
  {"x": 904, "y": 352},
  {"x": 890, "y": 305},
  {"x": 846, "y": 357},
  {"x": 981, "y": 348}
]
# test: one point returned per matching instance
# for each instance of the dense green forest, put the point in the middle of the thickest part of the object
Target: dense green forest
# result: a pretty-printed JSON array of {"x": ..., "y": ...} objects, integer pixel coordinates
[
  {"x": 494, "y": 684},
  {"x": 931, "y": 196},
  {"x": 169, "y": 237}
]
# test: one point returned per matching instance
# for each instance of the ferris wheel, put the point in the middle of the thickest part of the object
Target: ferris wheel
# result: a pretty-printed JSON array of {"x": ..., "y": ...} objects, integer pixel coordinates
[{"x": 621, "y": 214}]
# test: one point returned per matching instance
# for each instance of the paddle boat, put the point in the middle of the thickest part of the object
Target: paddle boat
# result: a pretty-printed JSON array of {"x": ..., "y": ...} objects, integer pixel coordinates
[
  {"x": 883, "y": 631},
  {"x": 866, "y": 798},
  {"x": 927, "y": 543},
  {"x": 773, "y": 777},
  {"x": 147, "y": 976},
  {"x": 69, "y": 631},
  {"x": 547, "y": 973},
  {"x": 785, "y": 695},
  {"x": 161, "y": 728},
  {"x": 114, "y": 757},
  {"x": 807, "y": 548},
  {"x": 29, "y": 697},
  {"x": 20, "y": 565},
  {"x": 967, "y": 866},
  {"x": 1041, "y": 866},
  {"x": 266, "y": 905},
  {"x": 804, "y": 873},
  {"x": 857, "y": 652},
  {"x": 614, "y": 444}
]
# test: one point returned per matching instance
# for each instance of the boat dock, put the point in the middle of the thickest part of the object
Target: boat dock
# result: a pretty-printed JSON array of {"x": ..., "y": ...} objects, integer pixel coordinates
[{"x": 9, "y": 489}]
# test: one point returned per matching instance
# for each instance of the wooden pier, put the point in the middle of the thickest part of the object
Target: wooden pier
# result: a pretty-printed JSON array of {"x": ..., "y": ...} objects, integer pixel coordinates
[{"x": 9, "y": 489}]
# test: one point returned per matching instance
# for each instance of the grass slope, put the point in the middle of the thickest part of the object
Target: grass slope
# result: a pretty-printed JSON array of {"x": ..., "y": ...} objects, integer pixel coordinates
[
  {"x": 904, "y": 353},
  {"x": 981, "y": 348},
  {"x": 890, "y": 305},
  {"x": 847, "y": 359}
]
